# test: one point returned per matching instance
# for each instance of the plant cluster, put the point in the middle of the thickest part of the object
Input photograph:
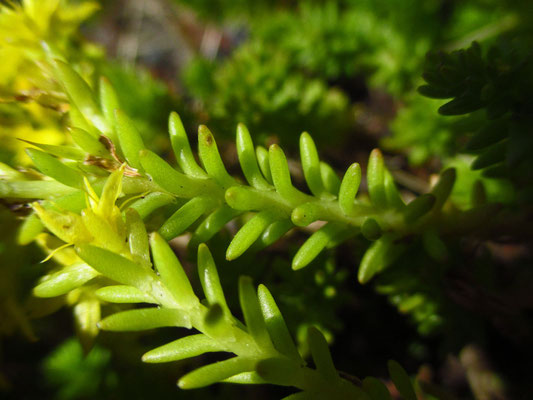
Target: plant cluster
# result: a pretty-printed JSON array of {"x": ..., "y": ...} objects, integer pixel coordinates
[
  {"x": 334, "y": 53},
  {"x": 111, "y": 246},
  {"x": 497, "y": 83}
]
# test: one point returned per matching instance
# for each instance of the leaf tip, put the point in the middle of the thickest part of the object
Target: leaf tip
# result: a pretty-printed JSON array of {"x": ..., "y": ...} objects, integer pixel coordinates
[{"x": 205, "y": 136}]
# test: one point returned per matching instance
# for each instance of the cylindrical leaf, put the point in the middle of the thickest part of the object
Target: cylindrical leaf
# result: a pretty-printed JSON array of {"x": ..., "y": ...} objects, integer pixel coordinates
[
  {"x": 182, "y": 148},
  {"x": 315, "y": 244},
  {"x": 492, "y": 133},
  {"x": 67, "y": 152},
  {"x": 172, "y": 273},
  {"x": 29, "y": 229},
  {"x": 34, "y": 189},
  {"x": 65, "y": 280},
  {"x": 275, "y": 231},
  {"x": 249, "y": 233},
  {"x": 321, "y": 355},
  {"x": 332, "y": 183},
  {"x": 137, "y": 237},
  {"x": 419, "y": 207},
  {"x": 208, "y": 151},
  {"x": 209, "y": 279},
  {"x": 187, "y": 347},
  {"x": 81, "y": 95},
  {"x": 376, "y": 179},
  {"x": 251, "y": 199},
  {"x": 349, "y": 187},
  {"x": 123, "y": 294},
  {"x": 216, "y": 372},
  {"x": 253, "y": 316},
  {"x": 276, "y": 326},
  {"x": 379, "y": 256},
  {"x": 54, "y": 168},
  {"x": 151, "y": 202},
  {"x": 117, "y": 267},
  {"x": 246, "y": 378},
  {"x": 78, "y": 120},
  {"x": 108, "y": 99},
  {"x": 171, "y": 180},
  {"x": 129, "y": 138},
  {"x": 280, "y": 371},
  {"x": 494, "y": 154},
  {"x": 109, "y": 103},
  {"x": 248, "y": 160},
  {"x": 264, "y": 163},
  {"x": 311, "y": 164},
  {"x": 185, "y": 217},
  {"x": 212, "y": 224},
  {"x": 394, "y": 199},
  {"x": 6, "y": 172},
  {"x": 144, "y": 319},
  {"x": 434, "y": 246},
  {"x": 281, "y": 176}
]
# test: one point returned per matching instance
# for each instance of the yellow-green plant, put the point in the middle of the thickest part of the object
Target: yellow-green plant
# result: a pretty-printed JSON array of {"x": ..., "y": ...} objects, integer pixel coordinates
[
  {"x": 107, "y": 137},
  {"x": 114, "y": 255},
  {"x": 95, "y": 195},
  {"x": 28, "y": 97}
]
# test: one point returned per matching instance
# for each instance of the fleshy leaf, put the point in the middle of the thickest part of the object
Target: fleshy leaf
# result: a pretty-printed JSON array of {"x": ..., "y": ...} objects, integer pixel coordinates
[
  {"x": 249, "y": 233},
  {"x": 65, "y": 280},
  {"x": 182, "y": 148},
  {"x": 248, "y": 160},
  {"x": 144, "y": 319},
  {"x": 123, "y": 294},
  {"x": 253, "y": 316},
  {"x": 212, "y": 373},
  {"x": 187, "y": 347},
  {"x": 54, "y": 168},
  {"x": 349, "y": 187},
  {"x": 172, "y": 273},
  {"x": 311, "y": 164},
  {"x": 209, "y": 279},
  {"x": 321, "y": 355},
  {"x": 117, "y": 267},
  {"x": 276, "y": 326}
]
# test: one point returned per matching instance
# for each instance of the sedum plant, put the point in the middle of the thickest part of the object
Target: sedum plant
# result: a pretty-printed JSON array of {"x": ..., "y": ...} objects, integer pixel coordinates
[
  {"x": 204, "y": 199},
  {"x": 264, "y": 351},
  {"x": 213, "y": 197},
  {"x": 95, "y": 195},
  {"x": 111, "y": 261}
]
